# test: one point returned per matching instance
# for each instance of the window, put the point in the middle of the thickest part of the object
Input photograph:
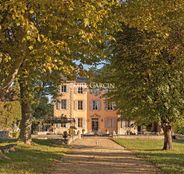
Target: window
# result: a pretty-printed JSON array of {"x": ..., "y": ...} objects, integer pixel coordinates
[
  {"x": 110, "y": 123},
  {"x": 109, "y": 106},
  {"x": 58, "y": 125},
  {"x": 57, "y": 105},
  {"x": 95, "y": 91},
  {"x": 80, "y": 121},
  {"x": 95, "y": 105},
  {"x": 80, "y": 105},
  {"x": 127, "y": 123},
  {"x": 63, "y": 124},
  {"x": 63, "y": 88},
  {"x": 107, "y": 123},
  {"x": 80, "y": 90},
  {"x": 63, "y": 104}
]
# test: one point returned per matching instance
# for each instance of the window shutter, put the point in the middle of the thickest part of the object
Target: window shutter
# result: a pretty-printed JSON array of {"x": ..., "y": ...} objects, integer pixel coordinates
[
  {"x": 99, "y": 105},
  {"x": 84, "y": 105},
  {"x": 67, "y": 105},
  {"x": 76, "y": 90},
  {"x": 83, "y": 123},
  {"x": 113, "y": 123},
  {"x": 105, "y": 105},
  {"x": 109, "y": 123},
  {"x": 74, "y": 105},
  {"x": 77, "y": 121},
  {"x": 58, "y": 105},
  {"x": 106, "y": 122},
  {"x": 91, "y": 105}
]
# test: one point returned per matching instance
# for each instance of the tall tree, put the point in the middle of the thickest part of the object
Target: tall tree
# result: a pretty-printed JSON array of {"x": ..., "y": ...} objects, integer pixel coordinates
[
  {"x": 148, "y": 79},
  {"x": 146, "y": 62},
  {"x": 38, "y": 38},
  {"x": 72, "y": 30}
]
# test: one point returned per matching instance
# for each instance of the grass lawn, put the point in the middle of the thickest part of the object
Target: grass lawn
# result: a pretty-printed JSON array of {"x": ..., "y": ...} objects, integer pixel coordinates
[
  {"x": 31, "y": 159},
  {"x": 171, "y": 162}
]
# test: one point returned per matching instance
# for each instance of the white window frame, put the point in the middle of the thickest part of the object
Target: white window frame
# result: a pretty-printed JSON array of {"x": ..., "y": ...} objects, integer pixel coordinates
[
  {"x": 64, "y": 88},
  {"x": 63, "y": 104},
  {"x": 95, "y": 105},
  {"x": 80, "y": 122},
  {"x": 80, "y": 105},
  {"x": 110, "y": 106},
  {"x": 110, "y": 122},
  {"x": 80, "y": 90},
  {"x": 63, "y": 124},
  {"x": 57, "y": 105}
]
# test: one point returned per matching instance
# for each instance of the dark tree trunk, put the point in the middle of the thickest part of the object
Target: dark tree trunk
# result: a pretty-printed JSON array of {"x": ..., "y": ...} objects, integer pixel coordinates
[
  {"x": 26, "y": 121},
  {"x": 167, "y": 136}
]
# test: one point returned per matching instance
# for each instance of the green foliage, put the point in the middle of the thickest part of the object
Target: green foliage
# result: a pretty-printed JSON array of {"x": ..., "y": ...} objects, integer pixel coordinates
[
  {"x": 44, "y": 40},
  {"x": 146, "y": 62},
  {"x": 10, "y": 113},
  {"x": 178, "y": 127},
  {"x": 45, "y": 36},
  {"x": 42, "y": 109}
]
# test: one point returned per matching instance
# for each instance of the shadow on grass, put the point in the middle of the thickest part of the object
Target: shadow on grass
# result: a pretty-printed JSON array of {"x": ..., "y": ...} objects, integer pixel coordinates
[
  {"x": 150, "y": 150},
  {"x": 179, "y": 141},
  {"x": 170, "y": 162},
  {"x": 8, "y": 140},
  {"x": 49, "y": 142},
  {"x": 31, "y": 159}
]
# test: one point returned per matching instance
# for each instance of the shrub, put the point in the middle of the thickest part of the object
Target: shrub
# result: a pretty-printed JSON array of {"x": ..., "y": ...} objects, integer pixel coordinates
[{"x": 178, "y": 127}]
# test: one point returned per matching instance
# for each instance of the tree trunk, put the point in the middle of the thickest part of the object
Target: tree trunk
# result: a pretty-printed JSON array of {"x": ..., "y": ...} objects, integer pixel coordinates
[
  {"x": 26, "y": 121},
  {"x": 11, "y": 77},
  {"x": 167, "y": 136}
]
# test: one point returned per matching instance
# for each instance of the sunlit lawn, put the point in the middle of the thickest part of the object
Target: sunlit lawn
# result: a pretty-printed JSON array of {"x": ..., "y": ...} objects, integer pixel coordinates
[
  {"x": 35, "y": 159},
  {"x": 171, "y": 162}
]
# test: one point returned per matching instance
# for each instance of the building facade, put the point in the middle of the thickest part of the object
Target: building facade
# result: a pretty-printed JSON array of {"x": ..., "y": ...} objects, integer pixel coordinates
[
  {"x": 71, "y": 103},
  {"x": 101, "y": 114},
  {"x": 92, "y": 112}
]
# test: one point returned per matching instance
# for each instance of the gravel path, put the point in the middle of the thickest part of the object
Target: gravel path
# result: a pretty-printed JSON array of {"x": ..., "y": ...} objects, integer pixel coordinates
[{"x": 101, "y": 156}]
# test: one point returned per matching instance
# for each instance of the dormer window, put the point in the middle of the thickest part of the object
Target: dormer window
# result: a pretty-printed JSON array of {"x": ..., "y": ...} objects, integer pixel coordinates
[
  {"x": 80, "y": 90},
  {"x": 63, "y": 88}
]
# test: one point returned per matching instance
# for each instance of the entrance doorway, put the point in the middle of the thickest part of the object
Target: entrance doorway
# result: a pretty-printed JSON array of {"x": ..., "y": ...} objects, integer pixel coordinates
[{"x": 95, "y": 124}]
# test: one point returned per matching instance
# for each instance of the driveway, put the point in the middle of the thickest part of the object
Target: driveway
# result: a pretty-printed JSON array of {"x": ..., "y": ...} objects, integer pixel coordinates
[{"x": 97, "y": 155}]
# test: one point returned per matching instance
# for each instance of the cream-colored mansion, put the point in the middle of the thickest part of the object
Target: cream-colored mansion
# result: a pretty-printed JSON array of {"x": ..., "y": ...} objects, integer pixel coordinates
[{"x": 93, "y": 114}]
